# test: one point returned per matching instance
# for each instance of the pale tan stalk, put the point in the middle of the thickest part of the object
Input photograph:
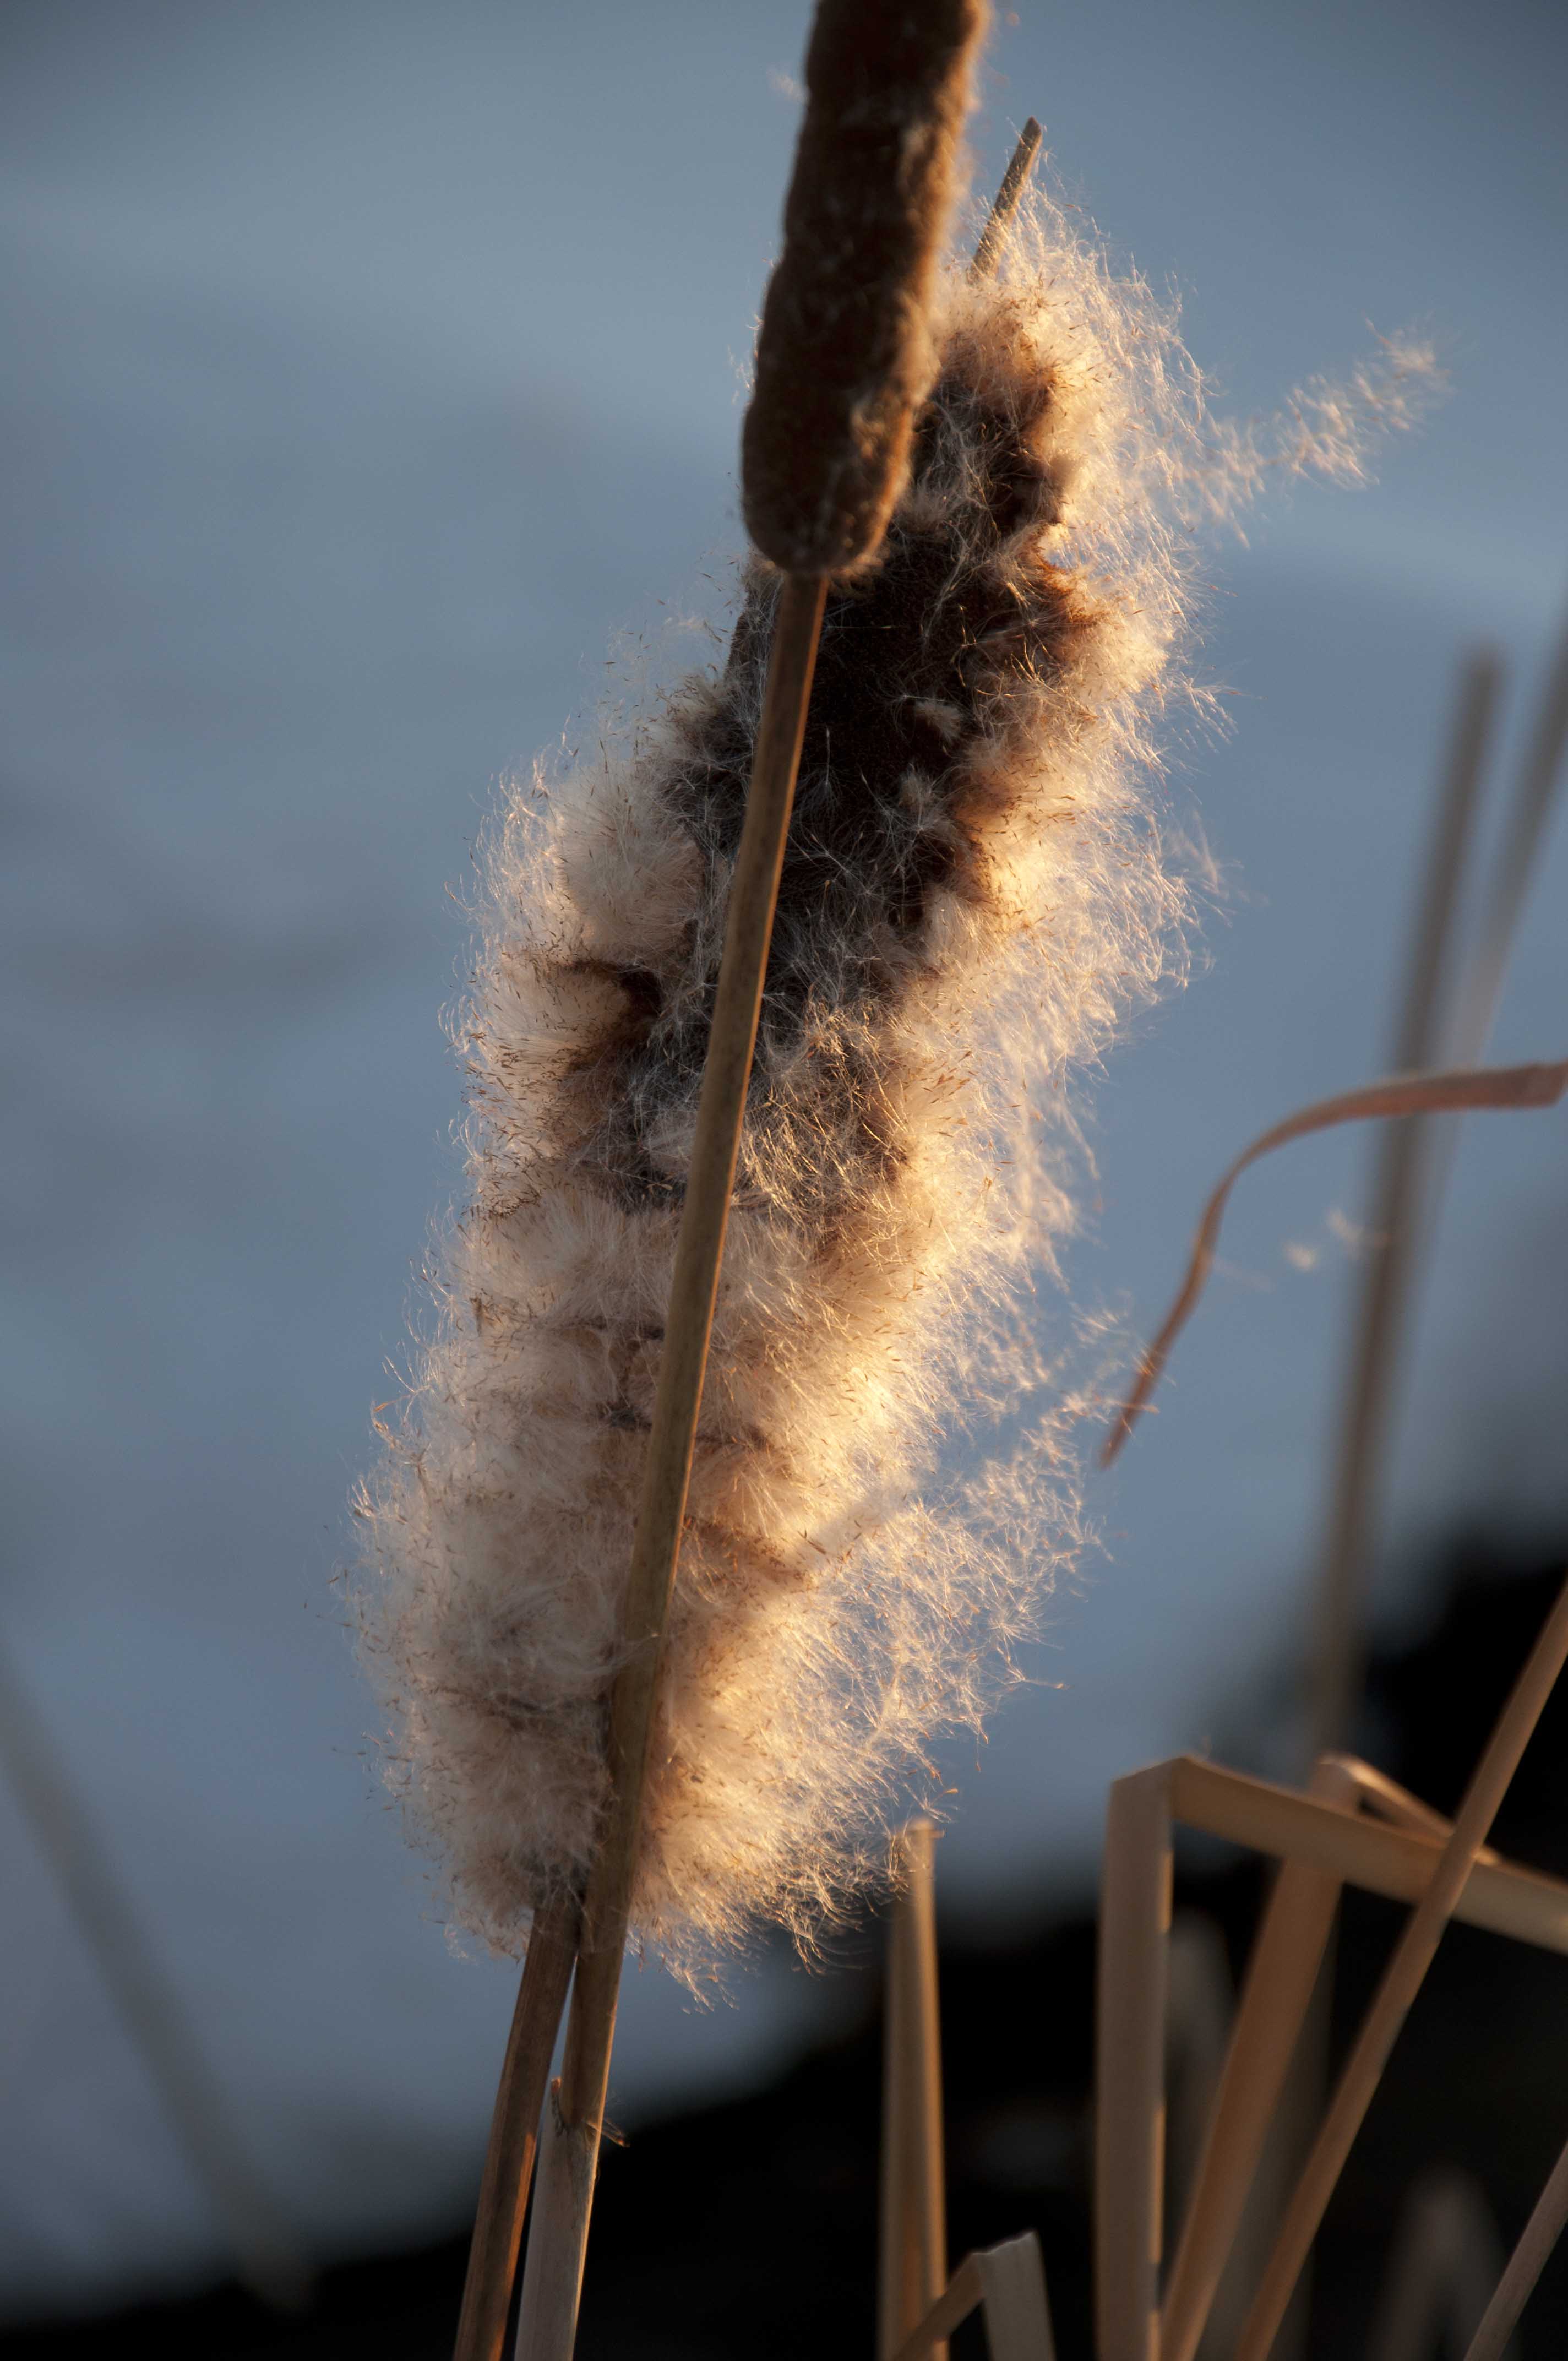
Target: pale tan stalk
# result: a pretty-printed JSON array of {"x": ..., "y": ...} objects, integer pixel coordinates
[
  {"x": 1408, "y": 1170},
  {"x": 912, "y": 2253},
  {"x": 556, "y": 2263},
  {"x": 1281, "y": 1974},
  {"x": 1402, "y": 1980},
  {"x": 1524, "y": 2267},
  {"x": 1394, "y": 1224},
  {"x": 1397, "y": 1862},
  {"x": 1129, "y": 2104},
  {"x": 514, "y": 2134}
]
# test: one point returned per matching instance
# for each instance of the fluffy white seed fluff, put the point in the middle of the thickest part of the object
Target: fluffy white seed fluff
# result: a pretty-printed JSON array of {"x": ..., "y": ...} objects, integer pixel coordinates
[{"x": 975, "y": 896}]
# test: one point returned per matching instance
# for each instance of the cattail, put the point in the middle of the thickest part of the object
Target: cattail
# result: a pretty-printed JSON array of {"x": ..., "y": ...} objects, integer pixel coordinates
[
  {"x": 845, "y": 353},
  {"x": 973, "y": 895}
]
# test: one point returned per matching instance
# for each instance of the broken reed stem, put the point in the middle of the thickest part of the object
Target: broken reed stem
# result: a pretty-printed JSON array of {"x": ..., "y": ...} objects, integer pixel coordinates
[
  {"x": 999, "y": 221},
  {"x": 1524, "y": 2267},
  {"x": 1007, "y": 2283},
  {"x": 549, "y": 2331},
  {"x": 914, "y": 2233},
  {"x": 1402, "y": 1980},
  {"x": 1395, "y": 1219},
  {"x": 514, "y": 2133}
]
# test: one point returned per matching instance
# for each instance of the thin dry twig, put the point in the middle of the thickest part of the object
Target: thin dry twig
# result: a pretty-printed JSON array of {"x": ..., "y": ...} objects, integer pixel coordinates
[{"x": 1402, "y": 1094}]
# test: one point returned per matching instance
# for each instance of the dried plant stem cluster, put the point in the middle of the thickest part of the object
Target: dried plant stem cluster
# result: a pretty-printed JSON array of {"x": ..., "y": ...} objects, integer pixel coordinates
[{"x": 1355, "y": 1826}]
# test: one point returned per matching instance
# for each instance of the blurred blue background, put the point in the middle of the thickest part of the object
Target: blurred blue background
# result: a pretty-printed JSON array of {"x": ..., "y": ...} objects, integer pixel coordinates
[{"x": 370, "y": 368}]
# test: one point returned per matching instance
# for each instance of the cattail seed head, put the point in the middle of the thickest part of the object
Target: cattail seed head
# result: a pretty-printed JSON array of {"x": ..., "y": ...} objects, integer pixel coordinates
[
  {"x": 973, "y": 895},
  {"x": 846, "y": 354}
]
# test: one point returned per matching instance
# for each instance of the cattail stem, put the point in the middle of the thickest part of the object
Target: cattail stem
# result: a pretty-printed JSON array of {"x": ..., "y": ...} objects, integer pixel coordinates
[
  {"x": 549, "y": 2325},
  {"x": 1401, "y": 1981},
  {"x": 914, "y": 2237},
  {"x": 514, "y": 2133}
]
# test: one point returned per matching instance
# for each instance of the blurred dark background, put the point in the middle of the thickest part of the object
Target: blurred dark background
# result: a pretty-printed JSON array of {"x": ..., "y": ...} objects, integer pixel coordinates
[{"x": 370, "y": 371}]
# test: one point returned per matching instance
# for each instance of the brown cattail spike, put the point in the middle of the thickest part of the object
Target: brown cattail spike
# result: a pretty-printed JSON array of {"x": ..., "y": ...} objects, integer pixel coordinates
[{"x": 845, "y": 356}]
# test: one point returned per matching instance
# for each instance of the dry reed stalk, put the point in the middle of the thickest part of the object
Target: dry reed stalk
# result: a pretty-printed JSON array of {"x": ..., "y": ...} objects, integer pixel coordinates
[
  {"x": 1129, "y": 2118},
  {"x": 267, "y": 2256},
  {"x": 1281, "y": 1974},
  {"x": 554, "y": 2275},
  {"x": 1397, "y": 1862},
  {"x": 1524, "y": 2267},
  {"x": 1402, "y": 1980},
  {"x": 1536, "y": 1085},
  {"x": 1395, "y": 1218},
  {"x": 1273, "y": 2027},
  {"x": 1007, "y": 2282},
  {"x": 514, "y": 2134},
  {"x": 1403, "y": 1176},
  {"x": 912, "y": 2257},
  {"x": 1323, "y": 1843}
]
